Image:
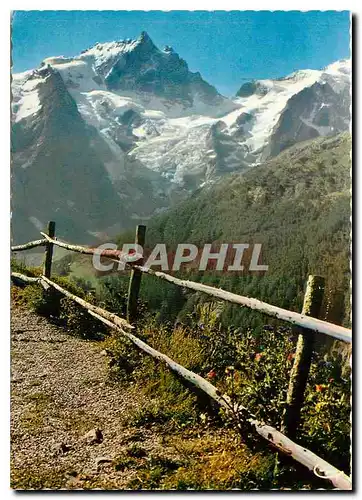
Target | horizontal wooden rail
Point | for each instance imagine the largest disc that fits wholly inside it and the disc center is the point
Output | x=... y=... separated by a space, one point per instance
x=307 y=322
x=118 y=255
x=279 y=441
x=31 y=244
x=77 y=248
x=26 y=279
x=110 y=316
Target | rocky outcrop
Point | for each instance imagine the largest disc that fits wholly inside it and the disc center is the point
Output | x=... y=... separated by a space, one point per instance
x=315 y=111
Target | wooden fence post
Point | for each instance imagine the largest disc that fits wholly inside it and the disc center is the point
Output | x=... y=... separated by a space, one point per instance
x=135 y=279
x=303 y=356
x=49 y=251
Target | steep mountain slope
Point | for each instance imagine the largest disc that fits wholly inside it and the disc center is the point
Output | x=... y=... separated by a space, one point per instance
x=110 y=137
x=56 y=171
x=72 y=131
x=63 y=169
x=276 y=114
x=296 y=205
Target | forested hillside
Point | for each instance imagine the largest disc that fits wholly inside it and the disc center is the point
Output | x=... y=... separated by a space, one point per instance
x=296 y=205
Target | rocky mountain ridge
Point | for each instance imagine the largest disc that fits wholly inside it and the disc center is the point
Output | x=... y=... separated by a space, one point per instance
x=108 y=138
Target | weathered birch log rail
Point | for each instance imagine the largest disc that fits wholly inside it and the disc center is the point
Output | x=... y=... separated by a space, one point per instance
x=307 y=324
x=25 y=279
x=120 y=322
x=28 y=246
x=118 y=255
x=279 y=441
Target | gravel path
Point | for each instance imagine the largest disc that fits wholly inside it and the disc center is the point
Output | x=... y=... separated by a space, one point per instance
x=60 y=391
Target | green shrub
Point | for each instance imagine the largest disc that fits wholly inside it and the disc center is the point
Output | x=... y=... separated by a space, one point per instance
x=260 y=381
x=79 y=322
x=113 y=294
x=48 y=302
x=43 y=302
x=327 y=409
x=124 y=357
x=18 y=266
x=54 y=305
x=61 y=267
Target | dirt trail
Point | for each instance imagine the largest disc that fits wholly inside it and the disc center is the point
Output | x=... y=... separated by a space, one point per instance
x=60 y=391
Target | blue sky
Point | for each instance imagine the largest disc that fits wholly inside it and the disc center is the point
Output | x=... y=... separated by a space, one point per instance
x=226 y=47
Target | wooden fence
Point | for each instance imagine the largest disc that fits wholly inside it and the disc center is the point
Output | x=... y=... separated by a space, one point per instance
x=307 y=322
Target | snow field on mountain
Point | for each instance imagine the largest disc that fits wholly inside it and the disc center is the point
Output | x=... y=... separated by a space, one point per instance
x=25 y=95
x=267 y=109
x=178 y=137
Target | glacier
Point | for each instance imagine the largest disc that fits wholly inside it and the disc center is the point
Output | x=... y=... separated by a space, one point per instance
x=159 y=130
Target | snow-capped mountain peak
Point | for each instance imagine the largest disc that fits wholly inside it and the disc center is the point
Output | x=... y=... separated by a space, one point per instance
x=105 y=55
x=268 y=102
x=135 y=118
x=137 y=69
x=341 y=67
